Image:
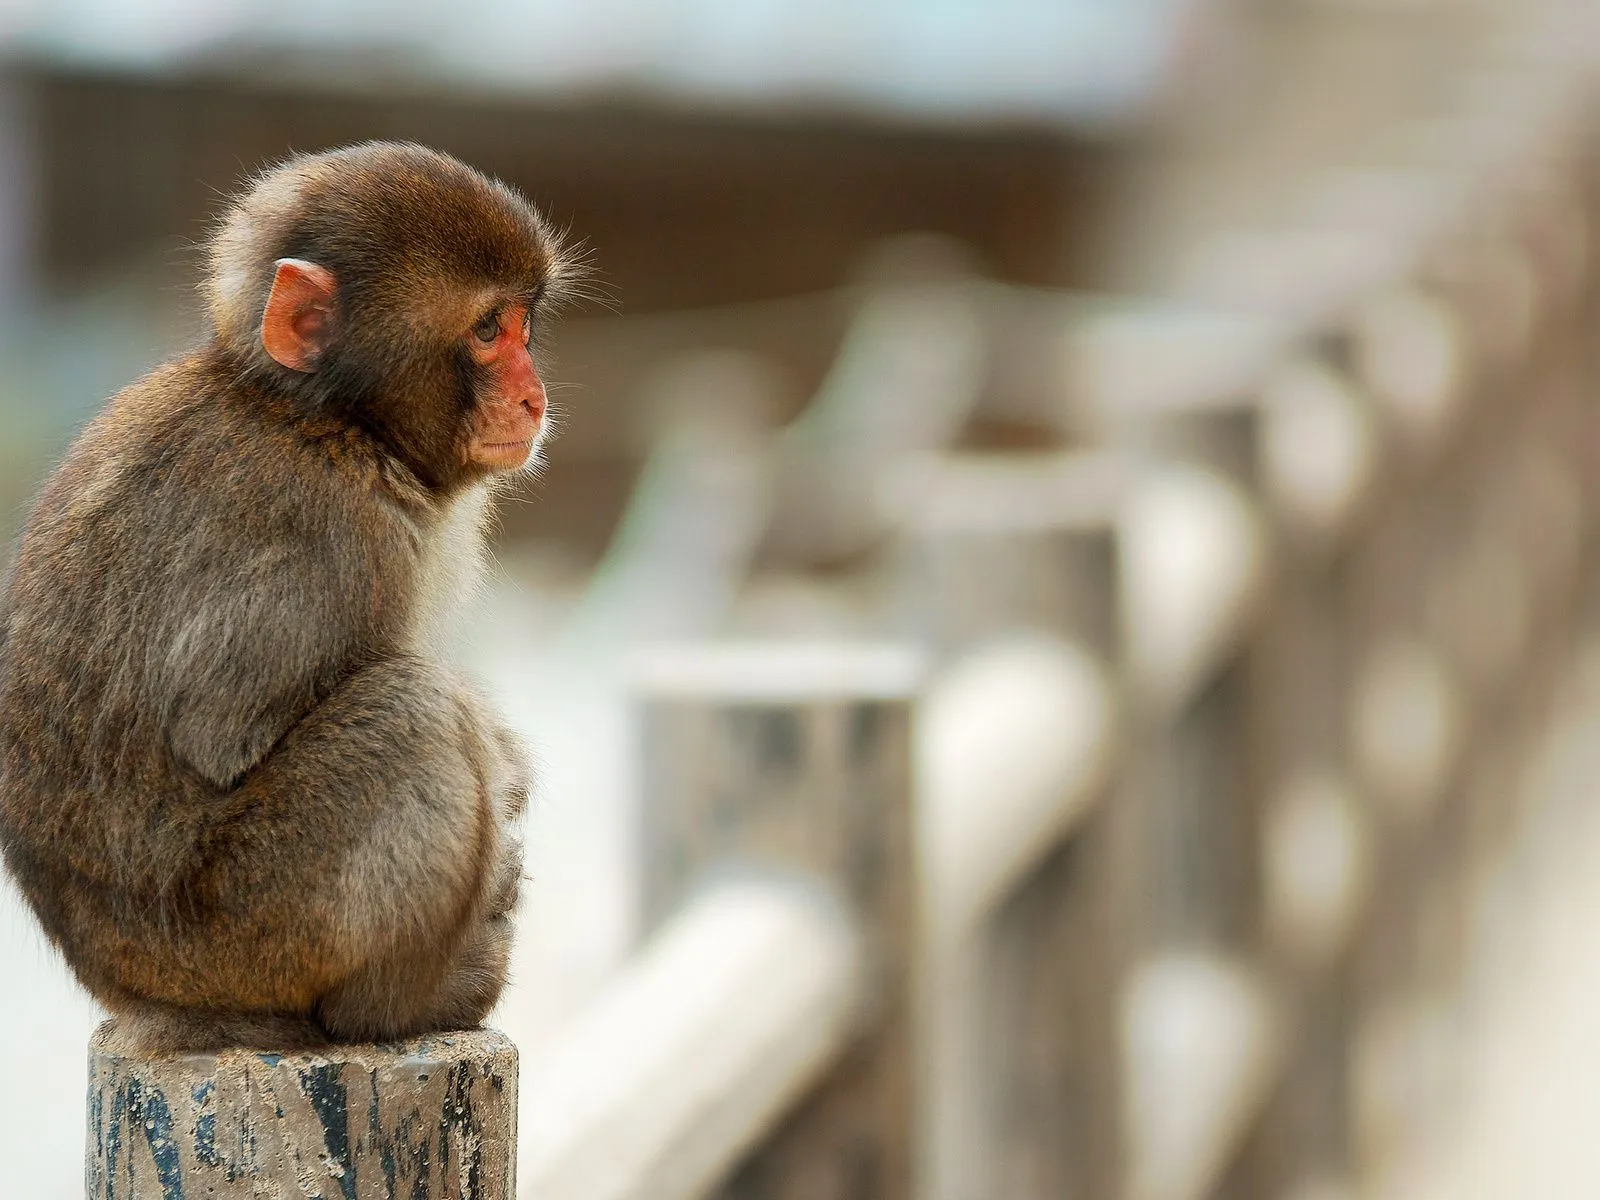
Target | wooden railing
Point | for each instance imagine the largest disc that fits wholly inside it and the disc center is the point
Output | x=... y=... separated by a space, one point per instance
x=1224 y=687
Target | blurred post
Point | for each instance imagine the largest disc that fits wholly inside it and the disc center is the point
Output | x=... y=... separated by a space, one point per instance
x=683 y=545
x=1169 y=390
x=907 y=375
x=1302 y=439
x=797 y=758
x=1017 y=582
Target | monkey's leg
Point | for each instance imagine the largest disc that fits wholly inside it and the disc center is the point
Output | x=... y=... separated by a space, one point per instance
x=143 y=1028
x=389 y=999
x=393 y=998
x=353 y=873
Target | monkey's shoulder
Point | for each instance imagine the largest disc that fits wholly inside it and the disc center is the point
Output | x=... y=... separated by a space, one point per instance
x=171 y=429
x=174 y=495
x=187 y=507
x=188 y=437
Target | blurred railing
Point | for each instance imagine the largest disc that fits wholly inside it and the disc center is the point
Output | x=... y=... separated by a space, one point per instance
x=1104 y=825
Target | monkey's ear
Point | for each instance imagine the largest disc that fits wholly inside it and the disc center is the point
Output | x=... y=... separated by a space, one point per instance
x=299 y=316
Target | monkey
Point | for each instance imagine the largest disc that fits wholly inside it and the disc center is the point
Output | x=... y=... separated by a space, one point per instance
x=242 y=788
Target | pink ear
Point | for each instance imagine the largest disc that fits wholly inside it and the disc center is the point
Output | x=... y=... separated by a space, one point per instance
x=299 y=314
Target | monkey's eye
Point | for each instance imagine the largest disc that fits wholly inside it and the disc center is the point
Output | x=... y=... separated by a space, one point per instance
x=527 y=328
x=487 y=330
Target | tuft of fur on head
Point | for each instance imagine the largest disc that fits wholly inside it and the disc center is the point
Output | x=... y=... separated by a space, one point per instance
x=241 y=255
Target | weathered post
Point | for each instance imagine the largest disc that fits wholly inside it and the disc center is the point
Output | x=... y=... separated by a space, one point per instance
x=1086 y=959
x=1249 y=825
x=796 y=758
x=1020 y=1011
x=434 y=1117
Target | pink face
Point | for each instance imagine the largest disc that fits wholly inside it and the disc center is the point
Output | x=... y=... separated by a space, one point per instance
x=510 y=417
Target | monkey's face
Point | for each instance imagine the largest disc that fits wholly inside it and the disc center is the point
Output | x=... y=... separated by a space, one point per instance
x=404 y=292
x=450 y=379
x=506 y=417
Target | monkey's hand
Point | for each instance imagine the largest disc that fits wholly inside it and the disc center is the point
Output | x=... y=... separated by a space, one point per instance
x=512 y=785
x=505 y=880
x=483 y=959
x=508 y=776
x=514 y=775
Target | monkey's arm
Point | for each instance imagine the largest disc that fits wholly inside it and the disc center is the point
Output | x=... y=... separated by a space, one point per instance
x=248 y=646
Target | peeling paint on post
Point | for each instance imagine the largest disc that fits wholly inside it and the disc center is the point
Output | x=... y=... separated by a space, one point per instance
x=430 y=1119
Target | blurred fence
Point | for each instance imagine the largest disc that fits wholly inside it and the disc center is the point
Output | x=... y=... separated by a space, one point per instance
x=1101 y=823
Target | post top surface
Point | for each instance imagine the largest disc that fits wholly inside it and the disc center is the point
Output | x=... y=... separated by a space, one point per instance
x=1076 y=491
x=467 y=1045
x=780 y=671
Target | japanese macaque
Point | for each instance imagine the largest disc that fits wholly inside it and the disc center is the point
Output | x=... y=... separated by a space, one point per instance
x=239 y=786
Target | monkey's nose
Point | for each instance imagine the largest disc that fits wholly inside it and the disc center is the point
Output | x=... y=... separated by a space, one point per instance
x=534 y=402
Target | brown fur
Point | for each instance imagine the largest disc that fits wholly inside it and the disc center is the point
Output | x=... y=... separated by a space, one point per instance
x=239 y=791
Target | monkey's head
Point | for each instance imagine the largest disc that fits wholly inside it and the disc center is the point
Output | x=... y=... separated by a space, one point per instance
x=399 y=289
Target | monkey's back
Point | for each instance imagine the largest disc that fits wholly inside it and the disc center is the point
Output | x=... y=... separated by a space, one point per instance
x=183 y=592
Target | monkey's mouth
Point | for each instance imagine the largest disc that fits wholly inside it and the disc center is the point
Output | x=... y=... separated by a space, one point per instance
x=506 y=456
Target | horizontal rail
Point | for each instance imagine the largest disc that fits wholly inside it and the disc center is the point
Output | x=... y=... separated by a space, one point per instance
x=1202 y=1041
x=726 y=1017
x=1193 y=560
x=1015 y=740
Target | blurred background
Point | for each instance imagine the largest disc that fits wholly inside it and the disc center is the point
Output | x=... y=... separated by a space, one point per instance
x=1231 y=354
